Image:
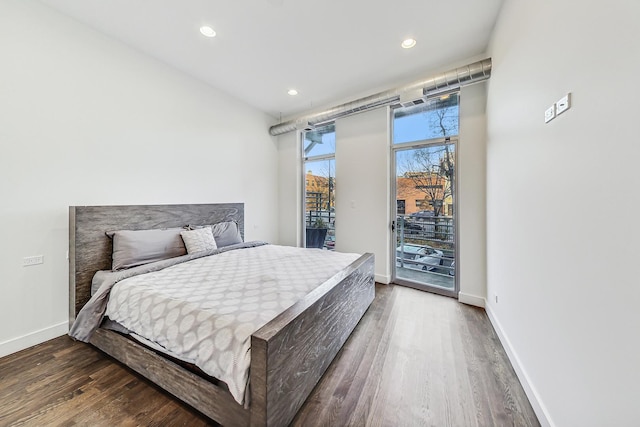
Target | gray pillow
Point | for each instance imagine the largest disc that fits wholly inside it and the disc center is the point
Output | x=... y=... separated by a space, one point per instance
x=137 y=247
x=226 y=233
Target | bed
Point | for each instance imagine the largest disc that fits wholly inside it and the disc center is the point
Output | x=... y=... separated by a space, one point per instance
x=289 y=354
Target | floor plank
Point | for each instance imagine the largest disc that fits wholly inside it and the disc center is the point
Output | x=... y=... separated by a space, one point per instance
x=419 y=359
x=415 y=359
x=67 y=383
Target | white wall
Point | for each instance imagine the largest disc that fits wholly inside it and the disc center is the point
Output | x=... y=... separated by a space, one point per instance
x=289 y=189
x=362 y=187
x=562 y=206
x=86 y=120
x=471 y=208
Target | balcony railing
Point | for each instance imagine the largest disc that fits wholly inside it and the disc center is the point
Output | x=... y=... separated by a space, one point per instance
x=434 y=228
x=426 y=243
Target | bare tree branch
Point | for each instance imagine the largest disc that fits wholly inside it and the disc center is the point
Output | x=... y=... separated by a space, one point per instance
x=432 y=169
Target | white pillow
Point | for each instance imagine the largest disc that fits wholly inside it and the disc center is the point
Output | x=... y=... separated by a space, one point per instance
x=198 y=240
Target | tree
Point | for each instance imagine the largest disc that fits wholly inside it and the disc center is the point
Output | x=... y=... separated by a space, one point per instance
x=427 y=176
x=432 y=169
x=320 y=192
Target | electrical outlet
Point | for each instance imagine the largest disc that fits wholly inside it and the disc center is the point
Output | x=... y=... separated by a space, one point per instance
x=563 y=104
x=32 y=260
x=550 y=113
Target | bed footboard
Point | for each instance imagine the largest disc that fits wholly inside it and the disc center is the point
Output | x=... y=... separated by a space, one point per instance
x=208 y=398
x=290 y=354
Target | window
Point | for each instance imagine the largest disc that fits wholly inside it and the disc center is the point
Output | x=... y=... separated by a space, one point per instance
x=320 y=142
x=320 y=183
x=401 y=206
x=436 y=118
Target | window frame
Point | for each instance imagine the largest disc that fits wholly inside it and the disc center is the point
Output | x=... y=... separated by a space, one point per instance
x=303 y=160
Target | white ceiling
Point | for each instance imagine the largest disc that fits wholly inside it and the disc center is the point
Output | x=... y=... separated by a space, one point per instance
x=330 y=50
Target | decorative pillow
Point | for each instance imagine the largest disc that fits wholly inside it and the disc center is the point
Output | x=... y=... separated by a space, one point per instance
x=198 y=240
x=226 y=233
x=137 y=247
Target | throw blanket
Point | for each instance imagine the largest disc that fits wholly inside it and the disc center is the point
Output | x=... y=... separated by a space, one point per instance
x=204 y=310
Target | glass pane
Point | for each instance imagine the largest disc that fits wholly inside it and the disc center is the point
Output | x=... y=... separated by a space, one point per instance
x=436 y=118
x=320 y=141
x=425 y=246
x=320 y=188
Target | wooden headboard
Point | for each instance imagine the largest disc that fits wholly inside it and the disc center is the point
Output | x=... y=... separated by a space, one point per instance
x=90 y=249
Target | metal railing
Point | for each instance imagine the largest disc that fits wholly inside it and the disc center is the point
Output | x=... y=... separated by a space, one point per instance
x=426 y=243
x=436 y=228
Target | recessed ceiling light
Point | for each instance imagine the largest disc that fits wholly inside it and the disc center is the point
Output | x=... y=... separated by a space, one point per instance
x=408 y=43
x=207 y=31
x=292 y=92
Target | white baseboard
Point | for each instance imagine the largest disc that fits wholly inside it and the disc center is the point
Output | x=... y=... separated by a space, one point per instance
x=529 y=389
x=471 y=299
x=380 y=278
x=20 y=343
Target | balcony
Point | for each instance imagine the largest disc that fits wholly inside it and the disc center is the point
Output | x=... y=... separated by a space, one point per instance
x=425 y=249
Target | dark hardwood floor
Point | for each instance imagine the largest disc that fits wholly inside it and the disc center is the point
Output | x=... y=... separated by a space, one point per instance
x=415 y=359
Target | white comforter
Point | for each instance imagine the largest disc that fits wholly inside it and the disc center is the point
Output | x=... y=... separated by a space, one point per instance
x=206 y=309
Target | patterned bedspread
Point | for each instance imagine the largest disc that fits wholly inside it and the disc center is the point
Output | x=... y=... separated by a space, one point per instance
x=205 y=310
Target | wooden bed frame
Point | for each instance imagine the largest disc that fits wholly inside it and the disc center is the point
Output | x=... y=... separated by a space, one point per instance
x=289 y=355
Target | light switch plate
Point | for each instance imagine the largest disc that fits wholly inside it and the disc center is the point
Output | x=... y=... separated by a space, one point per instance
x=563 y=104
x=550 y=113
